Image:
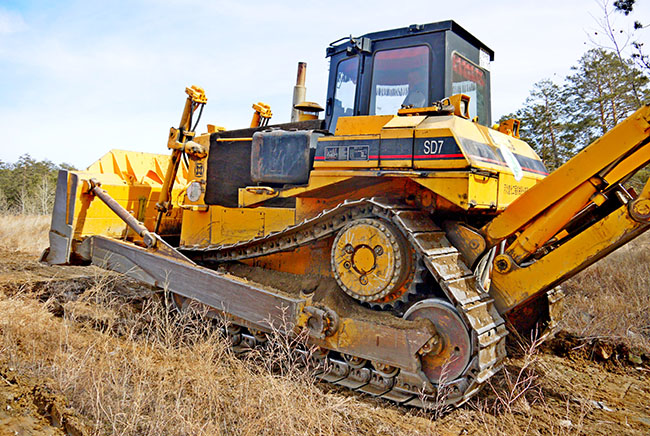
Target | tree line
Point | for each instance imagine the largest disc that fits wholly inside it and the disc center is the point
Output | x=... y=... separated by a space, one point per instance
x=27 y=186
x=559 y=119
x=607 y=83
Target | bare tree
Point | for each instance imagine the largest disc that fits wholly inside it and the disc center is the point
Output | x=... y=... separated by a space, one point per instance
x=618 y=40
x=45 y=195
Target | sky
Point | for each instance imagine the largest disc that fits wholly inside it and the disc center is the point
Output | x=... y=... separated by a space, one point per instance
x=78 y=78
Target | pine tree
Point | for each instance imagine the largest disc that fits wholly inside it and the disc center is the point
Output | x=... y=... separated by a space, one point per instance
x=27 y=186
x=543 y=123
x=602 y=92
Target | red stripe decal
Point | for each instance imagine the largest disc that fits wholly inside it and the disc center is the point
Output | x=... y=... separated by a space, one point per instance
x=438 y=156
x=441 y=156
x=503 y=164
x=534 y=171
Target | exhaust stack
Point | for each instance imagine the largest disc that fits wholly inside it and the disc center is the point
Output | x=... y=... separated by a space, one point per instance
x=299 y=91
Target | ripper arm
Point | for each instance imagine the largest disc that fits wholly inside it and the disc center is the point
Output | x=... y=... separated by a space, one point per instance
x=574 y=217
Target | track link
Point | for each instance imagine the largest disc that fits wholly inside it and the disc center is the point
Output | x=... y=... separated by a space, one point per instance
x=443 y=261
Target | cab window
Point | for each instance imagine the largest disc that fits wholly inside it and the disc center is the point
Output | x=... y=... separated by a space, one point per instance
x=469 y=79
x=346 y=87
x=400 y=78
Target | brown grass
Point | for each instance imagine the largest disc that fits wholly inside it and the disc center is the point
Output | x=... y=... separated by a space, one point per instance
x=611 y=299
x=131 y=367
x=151 y=372
x=24 y=233
x=127 y=366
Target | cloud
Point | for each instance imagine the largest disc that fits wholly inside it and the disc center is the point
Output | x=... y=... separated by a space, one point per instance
x=11 y=22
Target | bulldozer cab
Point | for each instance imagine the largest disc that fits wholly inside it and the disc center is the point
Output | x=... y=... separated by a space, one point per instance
x=381 y=72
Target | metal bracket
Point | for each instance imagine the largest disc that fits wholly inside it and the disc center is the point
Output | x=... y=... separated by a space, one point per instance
x=322 y=323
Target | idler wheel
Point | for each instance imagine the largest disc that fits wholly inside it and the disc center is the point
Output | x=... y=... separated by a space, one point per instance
x=451 y=357
x=354 y=361
x=385 y=370
x=371 y=261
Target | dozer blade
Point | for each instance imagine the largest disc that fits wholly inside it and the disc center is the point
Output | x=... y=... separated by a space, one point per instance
x=264 y=310
x=61 y=230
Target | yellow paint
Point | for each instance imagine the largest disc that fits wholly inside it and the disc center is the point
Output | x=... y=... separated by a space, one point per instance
x=405 y=122
x=515 y=287
x=536 y=209
x=197 y=227
x=545 y=210
x=396 y=163
x=609 y=148
x=346 y=138
x=364 y=259
x=313 y=259
x=510 y=189
x=551 y=221
x=403 y=134
x=261 y=115
x=453 y=188
x=222 y=225
x=434 y=132
x=324 y=164
x=361 y=125
x=460 y=102
x=134 y=180
x=482 y=191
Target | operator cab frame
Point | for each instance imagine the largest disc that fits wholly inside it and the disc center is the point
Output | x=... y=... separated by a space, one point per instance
x=377 y=73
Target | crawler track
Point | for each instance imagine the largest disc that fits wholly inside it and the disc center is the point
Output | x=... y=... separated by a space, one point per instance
x=443 y=261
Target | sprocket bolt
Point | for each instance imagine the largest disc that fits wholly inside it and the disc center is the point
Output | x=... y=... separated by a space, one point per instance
x=379 y=250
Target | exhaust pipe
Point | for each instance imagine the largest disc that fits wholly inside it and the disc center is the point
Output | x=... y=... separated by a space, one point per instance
x=299 y=91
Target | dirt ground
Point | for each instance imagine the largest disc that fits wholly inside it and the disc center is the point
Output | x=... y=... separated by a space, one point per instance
x=570 y=385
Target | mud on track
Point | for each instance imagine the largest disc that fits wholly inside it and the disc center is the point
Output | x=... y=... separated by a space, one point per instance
x=570 y=385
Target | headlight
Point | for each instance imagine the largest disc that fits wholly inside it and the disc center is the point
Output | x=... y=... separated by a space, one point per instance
x=194 y=191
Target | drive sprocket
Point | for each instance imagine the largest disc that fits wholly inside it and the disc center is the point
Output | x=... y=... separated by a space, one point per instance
x=372 y=262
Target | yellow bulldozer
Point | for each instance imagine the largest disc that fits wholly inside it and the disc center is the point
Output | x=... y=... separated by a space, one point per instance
x=399 y=231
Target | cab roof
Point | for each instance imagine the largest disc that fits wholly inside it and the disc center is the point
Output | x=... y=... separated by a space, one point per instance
x=364 y=42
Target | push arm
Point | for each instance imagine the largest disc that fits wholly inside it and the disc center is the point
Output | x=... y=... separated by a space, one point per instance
x=180 y=141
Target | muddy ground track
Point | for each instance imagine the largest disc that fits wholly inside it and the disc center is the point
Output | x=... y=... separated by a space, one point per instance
x=31 y=407
x=617 y=369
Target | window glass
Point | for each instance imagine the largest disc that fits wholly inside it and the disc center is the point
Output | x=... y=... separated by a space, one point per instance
x=400 y=77
x=469 y=79
x=346 y=87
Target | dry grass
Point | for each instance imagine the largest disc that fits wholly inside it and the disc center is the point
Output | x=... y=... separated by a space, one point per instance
x=24 y=233
x=129 y=367
x=149 y=372
x=611 y=299
x=519 y=403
